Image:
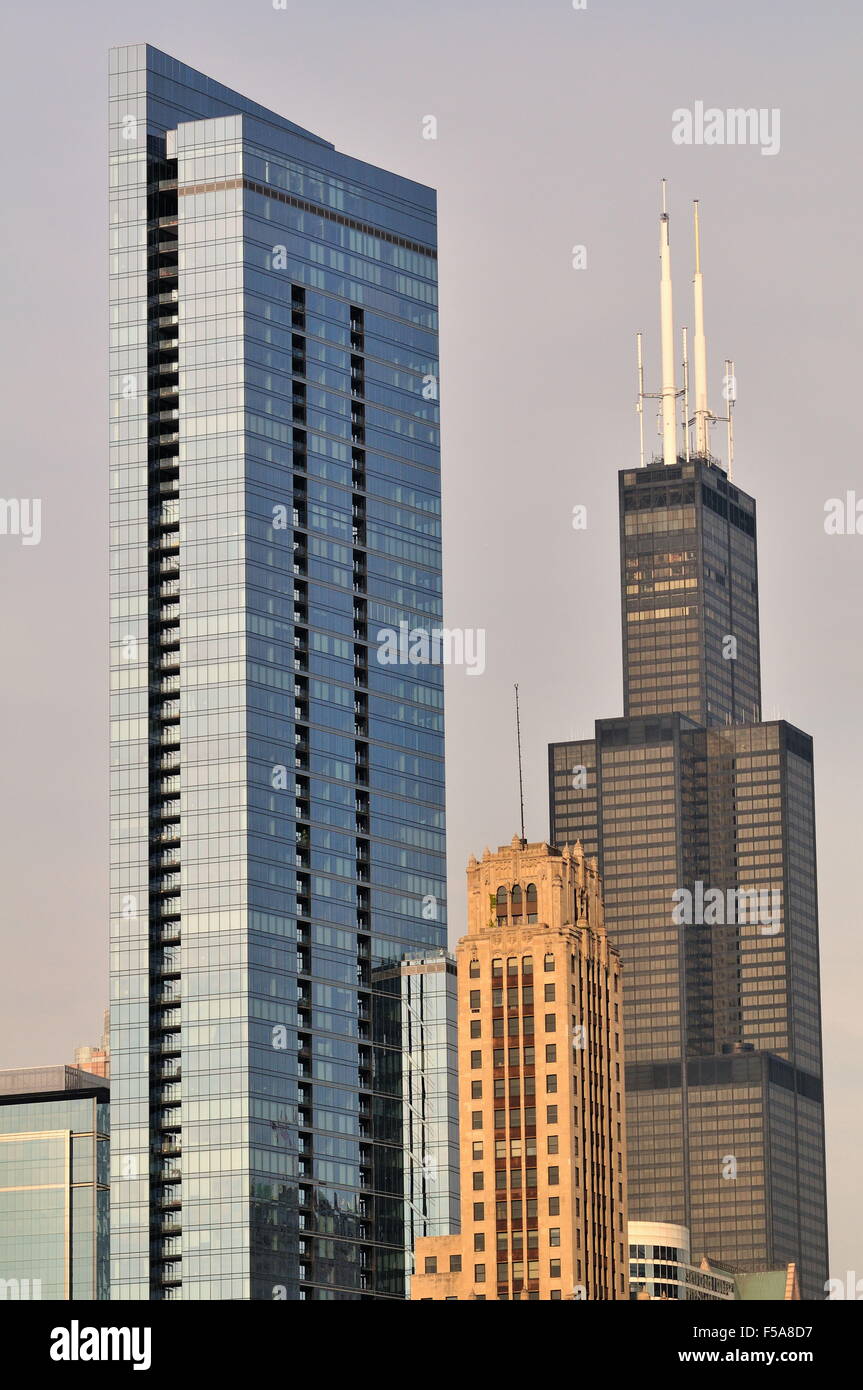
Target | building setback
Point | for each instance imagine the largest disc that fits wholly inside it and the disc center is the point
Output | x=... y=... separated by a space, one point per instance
x=542 y=1118
x=703 y=820
x=277 y=793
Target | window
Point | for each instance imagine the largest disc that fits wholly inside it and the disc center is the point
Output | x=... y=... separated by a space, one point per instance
x=475 y=1028
x=551 y=1023
x=473 y=970
x=516 y=1209
x=554 y=1269
x=497 y=1027
x=497 y=967
x=479 y=1274
x=476 y=1119
x=533 y=1269
x=478 y=1241
x=554 y=1235
x=516 y=901
x=551 y=1083
x=553 y=1177
x=552 y=1144
x=531 y=902
x=551 y=1052
x=554 y=1206
x=511 y=965
x=548 y=994
x=474 y=998
x=548 y=962
x=497 y=998
x=431 y=1264
x=476 y=1090
x=501 y=1240
x=527 y=965
x=455 y=1264
x=499 y=1119
x=478 y=1181
x=529 y=1056
x=514 y=1086
x=477 y=1149
x=555 y=1293
x=497 y=1057
x=550 y=1116
x=479 y=1211
x=476 y=1060
x=511 y=1025
x=500 y=905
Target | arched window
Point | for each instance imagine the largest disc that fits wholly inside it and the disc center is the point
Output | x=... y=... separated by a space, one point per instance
x=501 y=908
x=516 y=901
x=531 y=902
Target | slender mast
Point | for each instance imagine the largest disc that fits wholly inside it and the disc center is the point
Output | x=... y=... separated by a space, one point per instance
x=702 y=412
x=520 y=782
x=669 y=393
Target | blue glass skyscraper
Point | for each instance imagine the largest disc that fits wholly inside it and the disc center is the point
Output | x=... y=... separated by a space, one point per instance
x=277 y=794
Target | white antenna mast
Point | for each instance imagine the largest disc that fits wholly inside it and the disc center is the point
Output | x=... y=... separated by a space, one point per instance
x=668 y=393
x=702 y=412
x=731 y=393
x=640 y=404
x=685 y=396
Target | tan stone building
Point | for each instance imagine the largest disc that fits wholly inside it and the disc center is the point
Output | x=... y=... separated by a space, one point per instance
x=541 y=1102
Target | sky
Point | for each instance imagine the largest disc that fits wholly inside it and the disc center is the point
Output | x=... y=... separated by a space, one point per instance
x=554 y=128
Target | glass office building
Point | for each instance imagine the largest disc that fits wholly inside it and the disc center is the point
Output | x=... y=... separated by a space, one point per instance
x=689 y=794
x=416 y=1024
x=277 y=792
x=689 y=593
x=53 y=1184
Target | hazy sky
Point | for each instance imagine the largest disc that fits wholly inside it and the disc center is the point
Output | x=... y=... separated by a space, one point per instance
x=554 y=128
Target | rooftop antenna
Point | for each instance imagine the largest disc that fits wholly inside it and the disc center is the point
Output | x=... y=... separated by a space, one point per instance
x=685 y=396
x=640 y=402
x=702 y=412
x=520 y=781
x=666 y=324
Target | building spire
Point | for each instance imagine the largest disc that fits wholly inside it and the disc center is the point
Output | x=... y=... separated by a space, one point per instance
x=702 y=412
x=666 y=323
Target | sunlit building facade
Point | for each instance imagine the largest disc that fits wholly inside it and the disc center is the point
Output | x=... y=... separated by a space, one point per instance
x=277 y=792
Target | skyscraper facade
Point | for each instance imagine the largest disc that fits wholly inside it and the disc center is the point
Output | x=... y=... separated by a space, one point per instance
x=277 y=793
x=416 y=1085
x=703 y=820
x=541 y=1076
x=54 y=1171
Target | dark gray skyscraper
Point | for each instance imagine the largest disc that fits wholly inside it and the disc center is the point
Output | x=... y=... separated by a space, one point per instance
x=703 y=820
x=277 y=792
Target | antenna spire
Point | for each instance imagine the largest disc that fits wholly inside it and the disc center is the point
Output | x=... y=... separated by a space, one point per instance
x=520 y=781
x=702 y=412
x=668 y=393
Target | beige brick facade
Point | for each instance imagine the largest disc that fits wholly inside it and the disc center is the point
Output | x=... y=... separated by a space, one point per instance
x=541 y=1103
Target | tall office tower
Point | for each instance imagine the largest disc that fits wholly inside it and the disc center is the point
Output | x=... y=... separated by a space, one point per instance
x=53 y=1184
x=278 y=798
x=703 y=821
x=689 y=590
x=415 y=1024
x=543 y=1141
